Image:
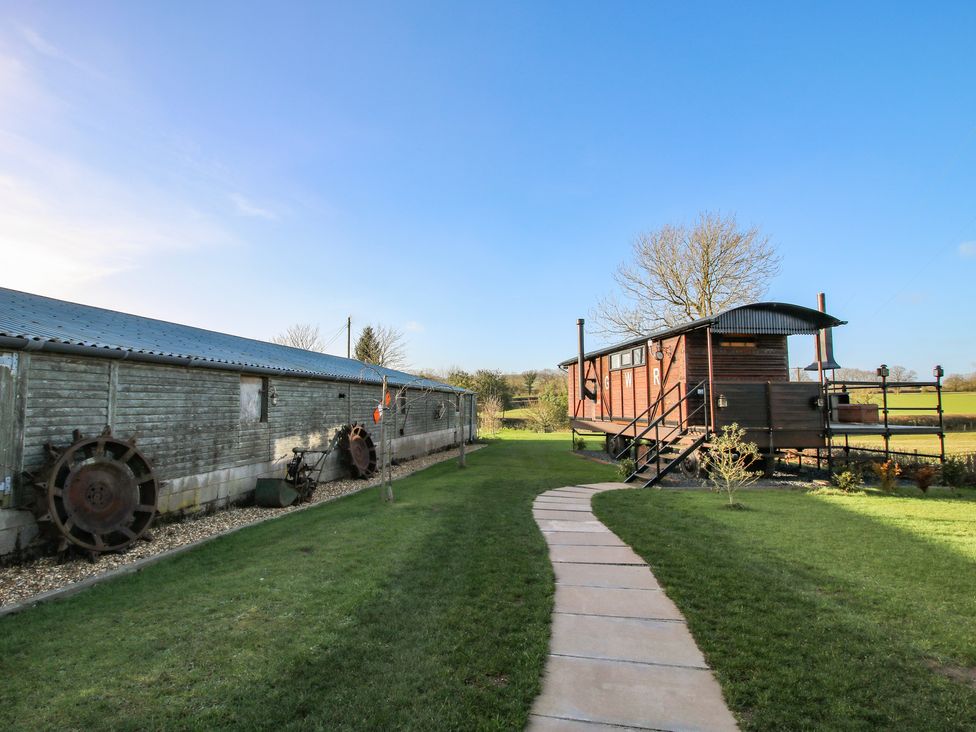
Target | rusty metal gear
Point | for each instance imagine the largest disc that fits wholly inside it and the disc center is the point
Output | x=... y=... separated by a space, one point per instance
x=358 y=451
x=99 y=493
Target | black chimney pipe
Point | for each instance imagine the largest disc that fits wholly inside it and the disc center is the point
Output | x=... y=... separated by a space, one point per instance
x=581 y=391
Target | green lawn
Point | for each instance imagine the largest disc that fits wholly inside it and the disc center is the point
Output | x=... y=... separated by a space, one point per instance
x=953 y=402
x=431 y=613
x=823 y=612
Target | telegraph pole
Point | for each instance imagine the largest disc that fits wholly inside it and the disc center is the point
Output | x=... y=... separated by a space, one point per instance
x=349 y=337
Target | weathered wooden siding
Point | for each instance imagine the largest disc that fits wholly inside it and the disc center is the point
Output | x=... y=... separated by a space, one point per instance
x=63 y=394
x=768 y=361
x=188 y=421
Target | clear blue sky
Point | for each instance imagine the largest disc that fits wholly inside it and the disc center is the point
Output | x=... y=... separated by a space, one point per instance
x=473 y=173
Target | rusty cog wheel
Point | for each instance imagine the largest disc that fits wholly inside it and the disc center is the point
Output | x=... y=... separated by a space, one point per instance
x=98 y=494
x=358 y=451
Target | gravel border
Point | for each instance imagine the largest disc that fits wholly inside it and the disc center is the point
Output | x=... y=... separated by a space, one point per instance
x=24 y=585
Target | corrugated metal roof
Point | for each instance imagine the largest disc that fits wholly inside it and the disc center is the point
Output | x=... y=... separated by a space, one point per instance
x=760 y=318
x=47 y=320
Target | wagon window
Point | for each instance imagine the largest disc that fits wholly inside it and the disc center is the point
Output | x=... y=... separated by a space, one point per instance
x=638 y=356
x=738 y=343
x=253 y=400
x=627 y=358
x=615 y=361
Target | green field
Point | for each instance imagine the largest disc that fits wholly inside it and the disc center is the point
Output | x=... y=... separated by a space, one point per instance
x=955 y=443
x=953 y=402
x=820 y=612
x=430 y=613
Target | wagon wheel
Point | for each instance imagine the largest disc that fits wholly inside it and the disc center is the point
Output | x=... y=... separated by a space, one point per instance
x=99 y=493
x=359 y=451
x=691 y=466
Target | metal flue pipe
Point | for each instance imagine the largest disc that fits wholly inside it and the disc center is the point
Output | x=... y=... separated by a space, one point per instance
x=581 y=382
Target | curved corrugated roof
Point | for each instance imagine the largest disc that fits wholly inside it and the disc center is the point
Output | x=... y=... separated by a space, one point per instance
x=759 y=318
x=47 y=320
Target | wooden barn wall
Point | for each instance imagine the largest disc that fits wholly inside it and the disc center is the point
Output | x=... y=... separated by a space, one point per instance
x=768 y=361
x=187 y=421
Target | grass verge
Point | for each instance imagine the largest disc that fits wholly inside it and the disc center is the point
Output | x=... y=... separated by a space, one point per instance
x=430 y=613
x=820 y=611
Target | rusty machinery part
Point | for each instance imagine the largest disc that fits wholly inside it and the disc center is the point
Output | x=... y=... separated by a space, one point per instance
x=358 y=451
x=99 y=493
x=299 y=474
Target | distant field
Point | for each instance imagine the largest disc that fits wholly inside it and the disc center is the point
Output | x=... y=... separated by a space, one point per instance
x=522 y=413
x=953 y=402
x=956 y=442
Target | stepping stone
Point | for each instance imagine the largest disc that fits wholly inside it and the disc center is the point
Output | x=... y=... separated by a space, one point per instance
x=616 y=602
x=604 y=575
x=538 y=723
x=633 y=694
x=582 y=526
x=569 y=538
x=558 y=504
x=543 y=513
x=596 y=555
x=624 y=639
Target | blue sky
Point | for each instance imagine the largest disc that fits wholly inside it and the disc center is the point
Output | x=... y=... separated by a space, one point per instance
x=473 y=173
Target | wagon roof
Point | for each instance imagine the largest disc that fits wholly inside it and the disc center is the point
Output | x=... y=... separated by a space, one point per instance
x=33 y=322
x=759 y=318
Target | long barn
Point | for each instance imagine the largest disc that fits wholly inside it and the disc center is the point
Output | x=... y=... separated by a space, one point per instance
x=211 y=413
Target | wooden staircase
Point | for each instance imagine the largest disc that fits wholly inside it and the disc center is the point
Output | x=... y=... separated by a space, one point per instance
x=667 y=440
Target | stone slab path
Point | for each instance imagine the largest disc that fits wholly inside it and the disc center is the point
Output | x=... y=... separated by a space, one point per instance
x=621 y=656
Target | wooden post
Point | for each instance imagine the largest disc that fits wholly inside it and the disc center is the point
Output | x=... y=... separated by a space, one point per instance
x=711 y=382
x=460 y=411
x=387 y=441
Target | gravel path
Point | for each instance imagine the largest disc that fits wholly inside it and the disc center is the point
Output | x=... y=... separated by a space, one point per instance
x=21 y=581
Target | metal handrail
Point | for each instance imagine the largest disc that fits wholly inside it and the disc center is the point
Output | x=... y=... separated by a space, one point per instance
x=654 y=455
x=649 y=409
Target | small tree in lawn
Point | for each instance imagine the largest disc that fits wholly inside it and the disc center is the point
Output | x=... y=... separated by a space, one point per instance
x=728 y=461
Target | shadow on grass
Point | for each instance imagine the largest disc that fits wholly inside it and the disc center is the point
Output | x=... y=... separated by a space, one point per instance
x=429 y=613
x=813 y=616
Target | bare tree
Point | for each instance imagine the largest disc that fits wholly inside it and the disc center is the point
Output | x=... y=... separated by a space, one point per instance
x=382 y=345
x=300 y=335
x=678 y=274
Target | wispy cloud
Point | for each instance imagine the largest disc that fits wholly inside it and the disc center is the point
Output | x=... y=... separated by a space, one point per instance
x=967 y=249
x=412 y=326
x=246 y=207
x=44 y=47
x=65 y=222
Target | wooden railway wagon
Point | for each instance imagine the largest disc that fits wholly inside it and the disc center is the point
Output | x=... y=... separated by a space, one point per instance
x=660 y=396
x=210 y=413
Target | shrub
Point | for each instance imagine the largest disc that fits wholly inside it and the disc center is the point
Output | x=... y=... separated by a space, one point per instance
x=959 y=470
x=626 y=467
x=887 y=473
x=579 y=443
x=924 y=476
x=847 y=480
x=728 y=461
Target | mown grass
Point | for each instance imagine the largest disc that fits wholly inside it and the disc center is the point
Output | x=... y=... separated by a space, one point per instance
x=956 y=443
x=430 y=613
x=953 y=402
x=820 y=611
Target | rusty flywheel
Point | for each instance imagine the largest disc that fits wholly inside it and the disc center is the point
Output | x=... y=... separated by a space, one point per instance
x=99 y=493
x=358 y=451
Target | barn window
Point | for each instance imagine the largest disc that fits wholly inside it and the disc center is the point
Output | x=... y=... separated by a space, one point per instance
x=254 y=399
